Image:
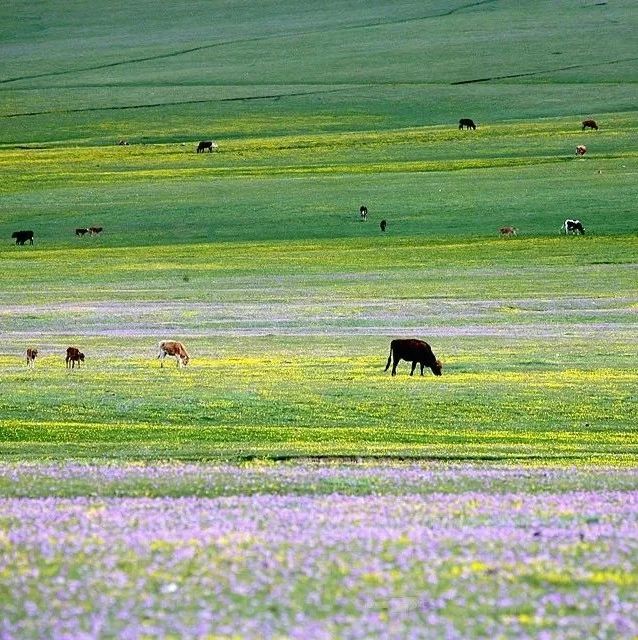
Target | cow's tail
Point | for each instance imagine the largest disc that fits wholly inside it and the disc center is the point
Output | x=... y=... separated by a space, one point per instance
x=387 y=364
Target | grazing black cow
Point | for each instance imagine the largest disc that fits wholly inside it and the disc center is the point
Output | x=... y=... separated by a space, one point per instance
x=590 y=124
x=574 y=227
x=95 y=230
x=413 y=350
x=467 y=123
x=206 y=145
x=383 y=224
x=363 y=213
x=22 y=236
x=81 y=231
x=73 y=355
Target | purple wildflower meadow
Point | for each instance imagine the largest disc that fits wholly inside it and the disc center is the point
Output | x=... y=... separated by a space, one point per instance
x=394 y=562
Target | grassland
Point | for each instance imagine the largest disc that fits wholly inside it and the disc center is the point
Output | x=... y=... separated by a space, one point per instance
x=283 y=484
x=289 y=346
x=255 y=256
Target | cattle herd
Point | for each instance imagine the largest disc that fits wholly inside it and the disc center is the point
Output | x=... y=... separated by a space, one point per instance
x=24 y=236
x=411 y=350
x=92 y=231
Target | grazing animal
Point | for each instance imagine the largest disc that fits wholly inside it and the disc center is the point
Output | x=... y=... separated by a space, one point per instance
x=22 y=236
x=123 y=143
x=81 y=231
x=95 y=230
x=73 y=355
x=206 y=145
x=467 y=123
x=31 y=356
x=581 y=150
x=383 y=224
x=507 y=232
x=590 y=124
x=363 y=213
x=574 y=227
x=175 y=349
x=413 y=350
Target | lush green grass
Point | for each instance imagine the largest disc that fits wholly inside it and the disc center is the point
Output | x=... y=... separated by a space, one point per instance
x=230 y=71
x=289 y=343
x=255 y=255
x=432 y=182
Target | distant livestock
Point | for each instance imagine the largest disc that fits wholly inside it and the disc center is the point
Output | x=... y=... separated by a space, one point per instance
x=174 y=349
x=507 y=232
x=123 y=143
x=416 y=351
x=22 y=236
x=581 y=150
x=31 y=356
x=573 y=227
x=95 y=230
x=590 y=124
x=81 y=231
x=73 y=355
x=383 y=224
x=466 y=123
x=363 y=213
x=206 y=145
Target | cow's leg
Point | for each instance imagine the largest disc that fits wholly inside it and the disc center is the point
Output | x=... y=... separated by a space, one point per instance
x=161 y=355
x=394 y=366
x=413 y=367
x=422 y=365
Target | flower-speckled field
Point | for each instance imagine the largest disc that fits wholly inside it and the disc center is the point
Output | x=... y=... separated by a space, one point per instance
x=283 y=485
x=399 y=552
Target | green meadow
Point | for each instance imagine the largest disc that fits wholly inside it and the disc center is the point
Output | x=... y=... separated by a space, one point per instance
x=254 y=256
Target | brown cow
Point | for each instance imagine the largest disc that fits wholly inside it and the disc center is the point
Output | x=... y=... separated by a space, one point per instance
x=581 y=150
x=507 y=232
x=590 y=124
x=175 y=349
x=415 y=350
x=73 y=355
x=95 y=230
x=31 y=356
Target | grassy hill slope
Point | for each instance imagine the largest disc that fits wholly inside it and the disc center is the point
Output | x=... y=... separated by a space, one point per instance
x=81 y=71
